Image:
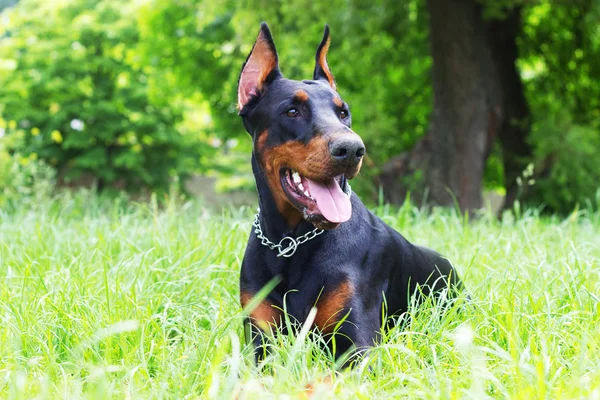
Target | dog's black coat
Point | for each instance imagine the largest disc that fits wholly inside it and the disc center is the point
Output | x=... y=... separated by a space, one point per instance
x=349 y=272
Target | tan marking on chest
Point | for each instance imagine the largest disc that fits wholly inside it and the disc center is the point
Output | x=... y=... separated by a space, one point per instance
x=332 y=306
x=265 y=315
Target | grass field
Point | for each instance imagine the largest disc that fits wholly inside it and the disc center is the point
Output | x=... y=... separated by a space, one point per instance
x=102 y=299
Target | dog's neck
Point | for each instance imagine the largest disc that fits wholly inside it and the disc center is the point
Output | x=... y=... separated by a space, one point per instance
x=273 y=224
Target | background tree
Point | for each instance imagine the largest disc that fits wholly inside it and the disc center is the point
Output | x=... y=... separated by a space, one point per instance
x=478 y=98
x=481 y=105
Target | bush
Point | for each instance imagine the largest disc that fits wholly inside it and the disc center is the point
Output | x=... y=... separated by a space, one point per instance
x=567 y=167
x=74 y=93
x=23 y=179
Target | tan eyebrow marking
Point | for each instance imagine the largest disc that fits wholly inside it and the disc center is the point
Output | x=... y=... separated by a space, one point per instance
x=301 y=95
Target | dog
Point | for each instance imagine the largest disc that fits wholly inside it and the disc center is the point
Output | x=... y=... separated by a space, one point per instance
x=312 y=234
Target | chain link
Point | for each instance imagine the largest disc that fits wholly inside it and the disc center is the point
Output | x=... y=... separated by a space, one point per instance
x=293 y=243
x=290 y=249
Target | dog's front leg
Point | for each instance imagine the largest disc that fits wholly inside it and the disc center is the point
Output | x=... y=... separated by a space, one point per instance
x=261 y=324
x=259 y=338
x=353 y=335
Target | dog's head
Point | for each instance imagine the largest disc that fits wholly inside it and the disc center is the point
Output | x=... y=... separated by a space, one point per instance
x=302 y=138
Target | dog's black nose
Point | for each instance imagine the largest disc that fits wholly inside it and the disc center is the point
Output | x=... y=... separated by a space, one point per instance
x=348 y=150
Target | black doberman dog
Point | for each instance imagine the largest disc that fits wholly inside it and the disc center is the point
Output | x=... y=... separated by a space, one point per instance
x=325 y=247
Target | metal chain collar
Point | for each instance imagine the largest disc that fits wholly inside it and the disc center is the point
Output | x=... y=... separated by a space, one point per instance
x=288 y=250
x=291 y=248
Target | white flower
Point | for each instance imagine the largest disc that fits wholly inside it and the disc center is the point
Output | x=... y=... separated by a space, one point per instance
x=215 y=142
x=76 y=46
x=77 y=125
x=228 y=48
x=2 y=132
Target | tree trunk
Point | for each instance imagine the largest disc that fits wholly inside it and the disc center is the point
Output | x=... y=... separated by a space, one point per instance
x=516 y=124
x=466 y=107
x=475 y=87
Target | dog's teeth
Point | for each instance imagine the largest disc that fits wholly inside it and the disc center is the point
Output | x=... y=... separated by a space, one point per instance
x=300 y=187
x=296 y=177
x=306 y=193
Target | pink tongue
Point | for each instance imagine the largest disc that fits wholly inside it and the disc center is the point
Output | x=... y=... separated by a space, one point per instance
x=333 y=204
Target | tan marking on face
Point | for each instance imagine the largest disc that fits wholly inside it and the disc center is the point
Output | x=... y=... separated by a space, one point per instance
x=309 y=160
x=338 y=102
x=331 y=306
x=301 y=96
x=265 y=315
x=260 y=144
x=312 y=161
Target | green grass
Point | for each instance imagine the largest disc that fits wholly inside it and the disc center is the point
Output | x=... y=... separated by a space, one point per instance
x=103 y=300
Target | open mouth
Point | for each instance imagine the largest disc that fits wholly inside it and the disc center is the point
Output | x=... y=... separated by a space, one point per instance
x=318 y=200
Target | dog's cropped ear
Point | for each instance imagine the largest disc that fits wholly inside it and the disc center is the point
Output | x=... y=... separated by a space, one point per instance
x=260 y=68
x=322 y=70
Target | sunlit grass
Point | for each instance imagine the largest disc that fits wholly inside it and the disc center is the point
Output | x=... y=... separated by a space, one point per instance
x=104 y=299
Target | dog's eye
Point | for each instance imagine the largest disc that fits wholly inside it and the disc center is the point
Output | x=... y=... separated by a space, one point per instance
x=343 y=114
x=292 y=112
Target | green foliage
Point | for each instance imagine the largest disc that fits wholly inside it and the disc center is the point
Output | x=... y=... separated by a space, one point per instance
x=560 y=64
x=24 y=180
x=70 y=77
x=193 y=43
x=568 y=166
